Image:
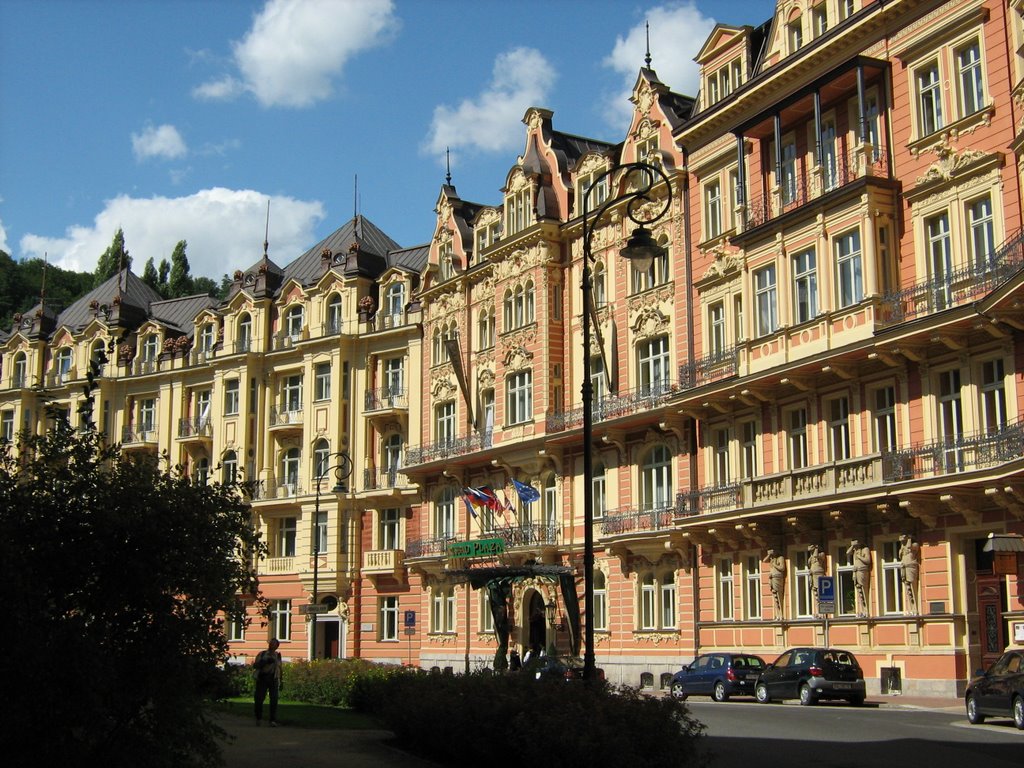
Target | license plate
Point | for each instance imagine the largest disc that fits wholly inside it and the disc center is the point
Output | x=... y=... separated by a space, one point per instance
x=843 y=686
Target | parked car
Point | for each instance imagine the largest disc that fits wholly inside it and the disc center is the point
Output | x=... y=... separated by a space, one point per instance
x=718 y=675
x=812 y=674
x=999 y=692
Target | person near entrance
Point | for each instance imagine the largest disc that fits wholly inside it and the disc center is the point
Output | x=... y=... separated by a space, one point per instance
x=267 y=671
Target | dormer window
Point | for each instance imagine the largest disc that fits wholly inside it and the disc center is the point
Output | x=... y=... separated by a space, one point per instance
x=487 y=235
x=244 y=334
x=207 y=338
x=647 y=148
x=444 y=259
x=795 y=35
x=20 y=370
x=394 y=301
x=819 y=20
x=334 y=314
x=519 y=209
x=294 y=320
x=597 y=195
x=150 y=348
x=62 y=365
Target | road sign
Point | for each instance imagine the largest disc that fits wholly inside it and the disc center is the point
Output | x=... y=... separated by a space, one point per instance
x=410 y=618
x=826 y=607
x=410 y=630
x=826 y=589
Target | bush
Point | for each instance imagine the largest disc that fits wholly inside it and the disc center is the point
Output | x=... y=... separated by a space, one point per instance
x=330 y=682
x=521 y=721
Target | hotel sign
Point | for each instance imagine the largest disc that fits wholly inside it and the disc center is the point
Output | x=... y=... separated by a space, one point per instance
x=476 y=548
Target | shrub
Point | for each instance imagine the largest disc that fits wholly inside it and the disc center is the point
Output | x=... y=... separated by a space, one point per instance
x=521 y=720
x=330 y=681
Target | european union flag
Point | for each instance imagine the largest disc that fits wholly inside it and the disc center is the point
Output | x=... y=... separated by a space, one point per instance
x=527 y=493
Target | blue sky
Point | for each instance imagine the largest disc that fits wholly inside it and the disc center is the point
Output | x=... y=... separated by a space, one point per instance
x=180 y=119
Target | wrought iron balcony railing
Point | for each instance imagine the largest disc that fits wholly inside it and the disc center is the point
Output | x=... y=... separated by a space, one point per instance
x=283 y=416
x=195 y=428
x=702 y=501
x=444 y=449
x=950 y=456
x=428 y=547
x=712 y=367
x=526 y=534
x=386 y=398
x=624 y=403
x=385 y=321
x=143 y=433
x=618 y=521
x=376 y=479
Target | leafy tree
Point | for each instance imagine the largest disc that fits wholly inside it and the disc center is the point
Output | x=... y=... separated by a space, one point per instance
x=161 y=278
x=149 y=275
x=115 y=567
x=205 y=285
x=180 y=282
x=112 y=260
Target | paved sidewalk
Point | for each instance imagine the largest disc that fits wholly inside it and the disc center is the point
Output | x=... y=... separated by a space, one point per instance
x=918 y=702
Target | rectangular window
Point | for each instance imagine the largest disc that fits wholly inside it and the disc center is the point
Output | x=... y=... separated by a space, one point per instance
x=819 y=20
x=749 y=430
x=231 y=397
x=668 y=603
x=716 y=332
x=444 y=422
x=281 y=619
x=520 y=397
x=147 y=415
x=983 y=246
x=388 y=618
x=795 y=35
x=805 y=286
x=286 y=528
x=803 y=597
x=721 y=438
x=291 y=393
x=725 y=589
x=486 y=617
x=387 y=535
x=444 y=516
x=846 y=590
x=712 y=209
x=766 y=297
x=839 y=428
x=600 y=601
x=600 y=491
x=798 y=438
x=7 y=427
x=892 y=578
x=845 y=9
x=235 y=629
x=322 y=381
x=940 y=260
x=971 y=81
x=951 y=420
x=752 y=586
x=320 y=533
x=850 y=280
x=647 y=603
x=885 y=419
x=929 y=99
x=993 y=396
x=788 y=180
x=653 y=362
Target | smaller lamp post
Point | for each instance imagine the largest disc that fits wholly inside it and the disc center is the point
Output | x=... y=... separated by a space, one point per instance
x=342 y=469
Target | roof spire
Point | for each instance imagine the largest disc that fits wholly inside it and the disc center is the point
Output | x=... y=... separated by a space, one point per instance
x=266 y=233
x=647 y=58
x=448 y=165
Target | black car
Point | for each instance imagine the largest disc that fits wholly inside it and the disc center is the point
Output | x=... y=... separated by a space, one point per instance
x=718 y=675
x=998 y=692
x=812 y=674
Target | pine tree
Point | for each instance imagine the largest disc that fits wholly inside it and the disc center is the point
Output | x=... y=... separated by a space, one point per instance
x=180 y=281
x=112 y=260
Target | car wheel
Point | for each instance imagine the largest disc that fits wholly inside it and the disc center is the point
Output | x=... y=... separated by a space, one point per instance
x=1018 y=712
x=677 y=691
x=807 y=697
x=719 y=693
x=857 y=701
x=974 y=717
x=761 y=693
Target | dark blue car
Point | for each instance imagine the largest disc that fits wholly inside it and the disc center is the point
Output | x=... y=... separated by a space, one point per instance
x=718 y=675
x=1000 y=691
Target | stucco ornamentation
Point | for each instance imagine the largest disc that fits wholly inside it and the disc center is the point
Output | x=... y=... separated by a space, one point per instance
x=724 y=263
x=518 y=359
x=442 y=387
x=950 y=162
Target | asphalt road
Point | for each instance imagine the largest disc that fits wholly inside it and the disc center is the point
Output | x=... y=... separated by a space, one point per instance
x=750 y=735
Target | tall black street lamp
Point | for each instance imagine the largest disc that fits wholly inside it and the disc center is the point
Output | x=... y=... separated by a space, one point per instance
x=342 y=468
x=635 y=180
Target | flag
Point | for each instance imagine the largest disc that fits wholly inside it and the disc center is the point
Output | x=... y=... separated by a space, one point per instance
x=474 y=496
x=469 y=507
x=527 y=493
x=492 y=498
x=508 y=504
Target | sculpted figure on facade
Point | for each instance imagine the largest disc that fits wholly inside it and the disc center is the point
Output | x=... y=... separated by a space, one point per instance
x=777 y=578
x=860 y=556
x=816 y=567
x=910 y=568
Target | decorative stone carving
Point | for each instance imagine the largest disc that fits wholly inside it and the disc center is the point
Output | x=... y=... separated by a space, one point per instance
x=816 y=567
x=442 y=387
x=650 y=322
x=950 y=162
x=518 y=359
x=486 y=378
x=861 y=556
x=777 y=579
x=910 y=567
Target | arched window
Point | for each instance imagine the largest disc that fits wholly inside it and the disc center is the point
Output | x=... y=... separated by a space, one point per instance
x=321 y=460
x=229 y=468
x=507 y=315
x=290 y=461
x=333 y=314
x=528 y=304
x=97 y=352
x=656 y=479
x=485 y=329
x=243 y=331
x=294 y=320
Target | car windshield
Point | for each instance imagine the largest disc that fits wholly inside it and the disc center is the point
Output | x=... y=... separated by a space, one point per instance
x=839 y=658
x=749 y=662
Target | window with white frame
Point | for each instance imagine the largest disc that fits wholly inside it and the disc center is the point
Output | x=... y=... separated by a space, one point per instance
x=320 y=533
x=151 y=348
x=656 y=479
x=229 y=467
x=391 y=457
x=598 y=194
x=394 y=302
x=235 y=627
x=444 y=422
x=333 y=314
x=657 y=600
x=752 y=587
x=982 y=238
x=444 y=514
x=846 y=589
x=549 y=501
x=885 y=418
x=929 y=98
x=519 y=401
x=805 y=286
x=243 y=334
x=668 y=600
x=290 y=462
x=748 y=429
x=993 y=396
x=519 y=210
x=716 y=328
x=725 y=589
x=940 y=259
x=286 y=531
x=803 y=597
x=712 y=209
x=7 y=426
x=767 y=300
x=19 y=371
x=788 y=182
x=951 y=419
x=519 y=306
x=599 y=279
x=321 y=459
x=444 y=260
x=394 y=377
x=653 y=364
x=281 y=619
x=322 y=381
x=147 y=414
x=207 y=337
x=849 y=275
x=648 y=602
x=892 y=578
x=487 y=410
x=871 y=117
x=600 y=499
x=795 y=35
x=388 y=607
x=231 y=402
x=294 y=320
x=62 y=365
x=846 y=9
x=714 y=94
x=829 y=155
x=485 y=328
x=600 y=600
x=819 y=19
x=839 y=428
x=291 y=393
x=797 y=424
x=970 y=78
x=721 y=439
x=388 y=529
x=655 y=274
x=442 y=611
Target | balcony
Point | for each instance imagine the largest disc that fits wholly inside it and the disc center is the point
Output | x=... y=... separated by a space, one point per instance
x=243 y=345
x=617 y=405
x=202 y=356
x=142 y=435
x=282 y=490
x=280 y=565
x=286 y=417
x=526 y=534
x=385 y=398
x=840 y=477
x=60 y=378
x=377 y=479
x=18 y=381
x=959 y=287
x=709 y=369
x=966 y=453
x=450 y=448
x=194 y=429
x=436 y=547
x=289 y=340
x=384 y=322
x=619 y=521
x=715 y=498
x=383 y=561
x=143 y=367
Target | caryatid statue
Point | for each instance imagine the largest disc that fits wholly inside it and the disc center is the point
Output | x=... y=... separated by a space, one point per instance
x=860 y=556
x=910 y=568
x=816 y=567
x=777 y=578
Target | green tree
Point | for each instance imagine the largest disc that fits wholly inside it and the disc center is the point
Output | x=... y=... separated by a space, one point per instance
x=162 y=272
x=117 y=568
x=180 y=281
x=112 y=260
x=205 y=285
x=149 y=275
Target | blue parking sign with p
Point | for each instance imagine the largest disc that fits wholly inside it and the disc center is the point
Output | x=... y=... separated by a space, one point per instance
x=826 y=589
x=410 y=618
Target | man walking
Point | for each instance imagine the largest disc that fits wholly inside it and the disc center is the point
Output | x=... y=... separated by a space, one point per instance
x=267 y=669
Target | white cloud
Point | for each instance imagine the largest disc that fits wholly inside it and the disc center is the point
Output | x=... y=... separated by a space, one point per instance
x=224 y=229
x=296 y=49
x=678 y=30
x=522 y=78
x=162 y=141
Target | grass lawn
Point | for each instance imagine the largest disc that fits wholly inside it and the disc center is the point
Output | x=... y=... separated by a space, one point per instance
x=299 y=714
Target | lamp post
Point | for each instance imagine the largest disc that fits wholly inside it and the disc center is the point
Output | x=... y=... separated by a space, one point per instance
x=641 y=249
x=342 y=468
